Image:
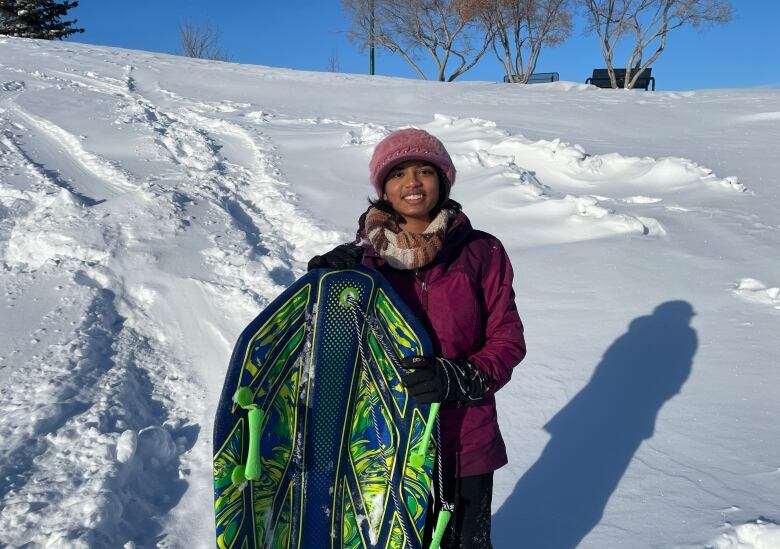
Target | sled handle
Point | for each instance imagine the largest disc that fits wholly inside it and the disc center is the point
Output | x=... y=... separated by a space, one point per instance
x=418 y=458
x=244 y=397
x=441 y=526
x=252 y=471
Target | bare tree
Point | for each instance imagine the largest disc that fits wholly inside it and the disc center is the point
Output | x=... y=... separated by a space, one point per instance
x=522 y=28
x=448 y=30
x=333 y=62
x=201 y=40
x=647 y=23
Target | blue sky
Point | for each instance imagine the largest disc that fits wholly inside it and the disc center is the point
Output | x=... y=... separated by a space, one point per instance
x=308 y=34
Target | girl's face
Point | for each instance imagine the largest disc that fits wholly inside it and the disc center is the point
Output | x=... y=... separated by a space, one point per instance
x=412 y=188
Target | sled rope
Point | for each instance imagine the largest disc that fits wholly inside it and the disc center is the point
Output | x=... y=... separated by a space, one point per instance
x=365 y=379
x=418 y=458
x=373 y=325
x=446 y=508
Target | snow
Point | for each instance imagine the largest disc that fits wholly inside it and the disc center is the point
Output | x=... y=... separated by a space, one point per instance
x=376 y=506
x=754 y=535
x=151 y=205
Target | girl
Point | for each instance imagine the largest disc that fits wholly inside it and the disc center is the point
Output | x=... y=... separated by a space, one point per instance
x=458 y=282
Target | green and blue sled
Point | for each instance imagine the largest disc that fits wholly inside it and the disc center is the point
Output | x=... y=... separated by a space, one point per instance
x=317 y=444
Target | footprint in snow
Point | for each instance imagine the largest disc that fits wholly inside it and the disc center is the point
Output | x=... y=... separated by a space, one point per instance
x=12 y=85
x=365 y=134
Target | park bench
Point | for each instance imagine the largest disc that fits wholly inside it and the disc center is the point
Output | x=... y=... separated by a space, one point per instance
x=600 y=79
x=540 y=77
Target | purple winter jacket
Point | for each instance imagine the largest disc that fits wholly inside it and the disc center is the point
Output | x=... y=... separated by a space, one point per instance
x=465 y=301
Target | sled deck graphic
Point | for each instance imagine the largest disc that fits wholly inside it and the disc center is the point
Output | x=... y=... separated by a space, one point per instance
x=314 y=429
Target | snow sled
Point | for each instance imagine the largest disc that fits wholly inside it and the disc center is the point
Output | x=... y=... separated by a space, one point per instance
x=316 y=441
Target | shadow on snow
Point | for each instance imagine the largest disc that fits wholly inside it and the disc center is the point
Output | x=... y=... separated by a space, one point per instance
x=562 y=496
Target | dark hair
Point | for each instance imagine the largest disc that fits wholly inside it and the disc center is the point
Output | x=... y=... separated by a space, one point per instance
x=444 y=202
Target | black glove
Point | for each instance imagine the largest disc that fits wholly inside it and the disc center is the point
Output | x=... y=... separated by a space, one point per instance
x=340 y=257
x=433 y=379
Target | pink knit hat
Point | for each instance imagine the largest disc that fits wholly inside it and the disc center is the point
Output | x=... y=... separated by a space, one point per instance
x=409 y=144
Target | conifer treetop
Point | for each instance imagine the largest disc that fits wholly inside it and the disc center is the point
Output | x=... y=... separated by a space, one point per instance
x=41 y=19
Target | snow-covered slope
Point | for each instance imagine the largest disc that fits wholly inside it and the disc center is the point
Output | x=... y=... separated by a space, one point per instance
x=151 y=205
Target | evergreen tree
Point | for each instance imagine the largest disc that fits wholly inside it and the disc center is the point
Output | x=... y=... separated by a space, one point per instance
x=37 y=18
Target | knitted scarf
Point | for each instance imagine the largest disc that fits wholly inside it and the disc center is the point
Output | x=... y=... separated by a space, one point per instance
x=402 y=249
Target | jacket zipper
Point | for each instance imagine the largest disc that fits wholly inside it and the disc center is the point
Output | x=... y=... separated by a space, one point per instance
x=424 y=286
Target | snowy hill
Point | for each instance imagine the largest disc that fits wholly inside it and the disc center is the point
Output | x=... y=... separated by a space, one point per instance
x=151 y=205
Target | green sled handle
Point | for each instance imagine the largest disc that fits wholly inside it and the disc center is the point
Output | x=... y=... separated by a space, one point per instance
x=441 y=526
x=244 y=398
x=418 y=457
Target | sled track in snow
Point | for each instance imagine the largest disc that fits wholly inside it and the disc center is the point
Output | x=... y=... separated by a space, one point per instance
x=113 y=177
x=66 y=409
x=66 y=406
x=109 y=428
x=79 y=404
x=17 y=159
x=250 y=196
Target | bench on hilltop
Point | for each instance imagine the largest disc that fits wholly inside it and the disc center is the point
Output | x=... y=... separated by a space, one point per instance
x=600 y=79
x=539 y=77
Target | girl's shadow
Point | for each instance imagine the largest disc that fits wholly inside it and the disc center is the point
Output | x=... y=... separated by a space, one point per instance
x=594 y=437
